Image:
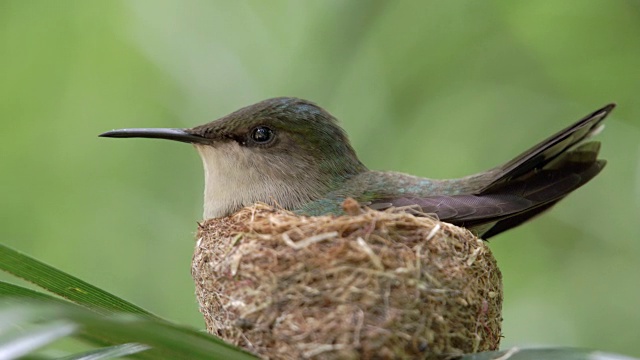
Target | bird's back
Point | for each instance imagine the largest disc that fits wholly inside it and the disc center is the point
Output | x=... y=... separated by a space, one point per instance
x=493 y=201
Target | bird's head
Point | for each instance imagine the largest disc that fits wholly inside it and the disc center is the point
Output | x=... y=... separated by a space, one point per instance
x=281 y=151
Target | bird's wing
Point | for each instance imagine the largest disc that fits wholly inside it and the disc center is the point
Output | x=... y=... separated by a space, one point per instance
x=514 y=202
x=458 y=209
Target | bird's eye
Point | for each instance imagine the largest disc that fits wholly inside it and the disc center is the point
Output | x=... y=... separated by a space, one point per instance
x=262 y=135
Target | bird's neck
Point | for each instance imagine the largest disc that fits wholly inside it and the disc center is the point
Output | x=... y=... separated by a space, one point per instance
x=236 y=177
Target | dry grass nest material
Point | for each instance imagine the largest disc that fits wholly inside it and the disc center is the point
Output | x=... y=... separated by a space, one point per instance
x=367 y=285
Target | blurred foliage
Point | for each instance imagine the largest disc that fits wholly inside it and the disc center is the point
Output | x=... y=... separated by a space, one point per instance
x=434 y=88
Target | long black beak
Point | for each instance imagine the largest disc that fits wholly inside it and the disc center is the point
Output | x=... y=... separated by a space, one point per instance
x=157 y=133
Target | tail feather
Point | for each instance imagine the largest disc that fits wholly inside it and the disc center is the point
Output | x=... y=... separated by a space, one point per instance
x=548 y=150
x=543 y=190
x=547 y=173
x=523 y=188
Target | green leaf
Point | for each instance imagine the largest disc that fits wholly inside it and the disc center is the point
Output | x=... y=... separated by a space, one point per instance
x=8 y=290
x=112 y=328
x=110 y=352
x=163 y=339
x=544 y=354
x=63 y=284
x=16 y=345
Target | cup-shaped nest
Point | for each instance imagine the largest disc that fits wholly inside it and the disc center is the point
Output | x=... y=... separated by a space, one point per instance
x=367 y=285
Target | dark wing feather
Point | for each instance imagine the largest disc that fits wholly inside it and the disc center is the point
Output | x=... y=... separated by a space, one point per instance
x=524 y=187
x=518 y=202
x=516 y=220
x=457 y=209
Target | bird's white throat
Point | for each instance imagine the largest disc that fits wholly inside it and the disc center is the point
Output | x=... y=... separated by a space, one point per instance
x=236 y=176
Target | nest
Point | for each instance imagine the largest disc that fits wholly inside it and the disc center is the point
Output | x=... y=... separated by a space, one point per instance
x=367 y=285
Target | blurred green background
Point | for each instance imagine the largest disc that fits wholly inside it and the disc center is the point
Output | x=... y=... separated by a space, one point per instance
x=433 y=88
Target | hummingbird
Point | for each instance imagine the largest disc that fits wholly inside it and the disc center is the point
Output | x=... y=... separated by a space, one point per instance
x=291 y=153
